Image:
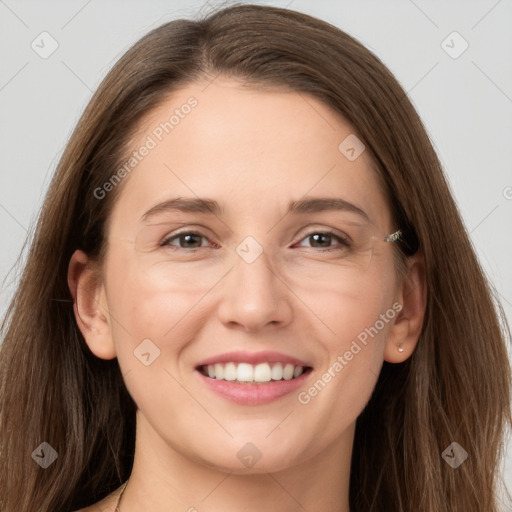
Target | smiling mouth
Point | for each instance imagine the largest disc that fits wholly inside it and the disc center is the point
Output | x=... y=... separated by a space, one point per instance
x=246 y=373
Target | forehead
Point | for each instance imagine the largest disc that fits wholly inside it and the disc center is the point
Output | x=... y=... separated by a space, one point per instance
x=251 y=149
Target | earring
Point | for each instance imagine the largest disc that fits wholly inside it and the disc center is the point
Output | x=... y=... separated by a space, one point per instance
x=399 y=347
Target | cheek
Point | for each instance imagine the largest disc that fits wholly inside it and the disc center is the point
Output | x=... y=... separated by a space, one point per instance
x=152 y=321
x=151 y=297
x=359 y=322
x=150 y=312
x=350 y=303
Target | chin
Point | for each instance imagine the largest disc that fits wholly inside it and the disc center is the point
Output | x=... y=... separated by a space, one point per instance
x=254 y=455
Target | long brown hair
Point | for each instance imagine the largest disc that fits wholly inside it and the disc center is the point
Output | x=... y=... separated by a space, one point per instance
x=454 y=387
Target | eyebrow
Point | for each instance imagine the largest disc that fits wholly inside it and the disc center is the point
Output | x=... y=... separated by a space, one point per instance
x=212 y=207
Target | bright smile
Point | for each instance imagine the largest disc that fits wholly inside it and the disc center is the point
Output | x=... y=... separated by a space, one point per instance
x=253 y=378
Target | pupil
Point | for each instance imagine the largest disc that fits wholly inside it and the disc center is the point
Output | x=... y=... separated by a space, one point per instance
x=320 y=235
x=188 y=237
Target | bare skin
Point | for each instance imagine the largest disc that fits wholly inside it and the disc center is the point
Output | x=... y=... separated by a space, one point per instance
x=252 y=151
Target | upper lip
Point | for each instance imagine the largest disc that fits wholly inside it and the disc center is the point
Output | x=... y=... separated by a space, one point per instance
x=265 y=356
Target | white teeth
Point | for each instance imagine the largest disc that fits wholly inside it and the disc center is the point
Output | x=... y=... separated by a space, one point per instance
x=277 y=371
x=230 y=371
x=288 y=372
x=262 y=372
x=245 y=372
x=218 y=371
x=297 y=372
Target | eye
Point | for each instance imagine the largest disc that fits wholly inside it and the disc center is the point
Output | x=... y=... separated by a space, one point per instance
x=186 y=240
x=323 y=239
x=191 y=241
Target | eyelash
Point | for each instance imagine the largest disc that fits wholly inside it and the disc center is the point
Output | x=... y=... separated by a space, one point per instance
x=344 y=241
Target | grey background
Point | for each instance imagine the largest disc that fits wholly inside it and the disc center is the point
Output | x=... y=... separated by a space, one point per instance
x=465 y=102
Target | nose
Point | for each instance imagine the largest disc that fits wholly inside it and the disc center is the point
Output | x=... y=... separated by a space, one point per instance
x=254 y=296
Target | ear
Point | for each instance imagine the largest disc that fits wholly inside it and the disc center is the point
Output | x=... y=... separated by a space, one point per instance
x=412 y=295
x=90 y=306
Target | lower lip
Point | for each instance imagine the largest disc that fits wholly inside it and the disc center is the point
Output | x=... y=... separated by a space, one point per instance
x=254 y=394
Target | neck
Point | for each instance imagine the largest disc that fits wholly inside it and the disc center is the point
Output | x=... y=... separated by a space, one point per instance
x=163 y=479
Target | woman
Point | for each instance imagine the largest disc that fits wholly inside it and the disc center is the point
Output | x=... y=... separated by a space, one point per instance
x=330 y=343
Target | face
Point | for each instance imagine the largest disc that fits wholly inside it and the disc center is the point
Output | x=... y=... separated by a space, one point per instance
x=243 y=288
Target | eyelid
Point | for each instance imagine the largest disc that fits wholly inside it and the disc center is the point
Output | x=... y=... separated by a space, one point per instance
x=316 y=228
x=165 y=241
